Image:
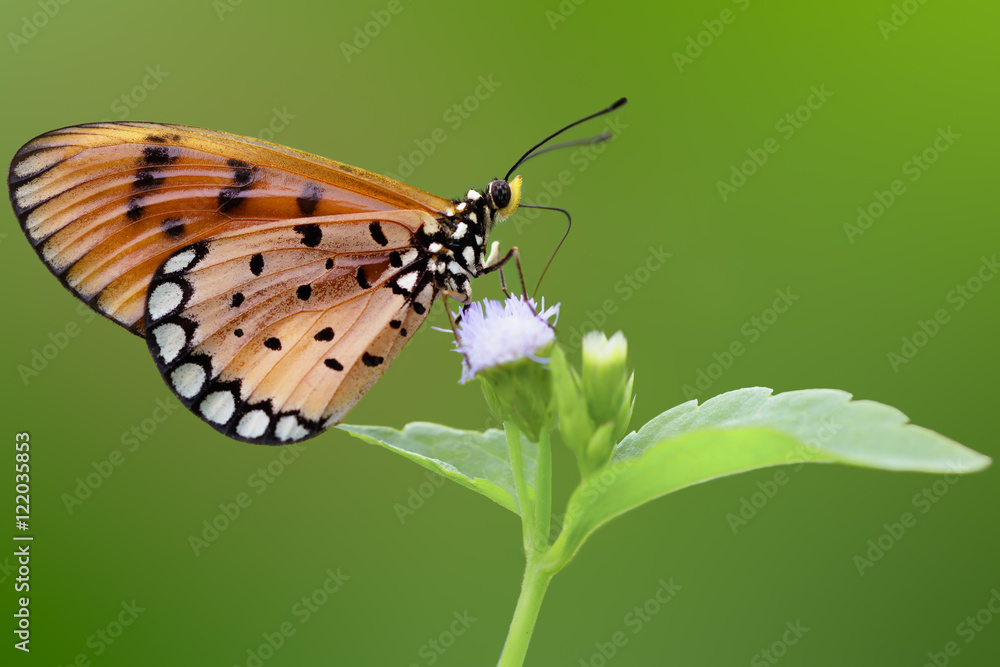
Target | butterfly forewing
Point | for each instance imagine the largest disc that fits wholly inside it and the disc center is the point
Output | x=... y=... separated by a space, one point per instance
x=105 y=204
x=271 y=334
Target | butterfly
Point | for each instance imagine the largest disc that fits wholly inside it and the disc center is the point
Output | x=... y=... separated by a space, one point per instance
x=272 y=287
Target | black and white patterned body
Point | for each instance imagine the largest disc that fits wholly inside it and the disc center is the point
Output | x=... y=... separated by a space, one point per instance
x=453 y=250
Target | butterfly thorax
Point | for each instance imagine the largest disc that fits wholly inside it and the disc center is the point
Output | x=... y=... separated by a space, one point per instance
x=453 y=250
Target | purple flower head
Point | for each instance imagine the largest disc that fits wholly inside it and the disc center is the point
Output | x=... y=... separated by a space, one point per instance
x=492 y=333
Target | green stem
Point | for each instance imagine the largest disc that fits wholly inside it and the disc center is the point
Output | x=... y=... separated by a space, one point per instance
x=536 y=581
x=543 y=492
x=524 y=504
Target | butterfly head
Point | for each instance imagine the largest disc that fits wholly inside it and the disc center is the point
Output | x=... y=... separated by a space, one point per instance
x=504 y=197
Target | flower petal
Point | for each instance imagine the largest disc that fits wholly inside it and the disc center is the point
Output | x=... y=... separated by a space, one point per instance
x=492 y=333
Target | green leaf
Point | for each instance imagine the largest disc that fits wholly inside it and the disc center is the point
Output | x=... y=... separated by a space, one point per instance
x=748 y=429
x=475 y=460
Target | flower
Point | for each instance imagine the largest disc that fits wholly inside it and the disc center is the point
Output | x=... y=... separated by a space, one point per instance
x=504 y=345
x=492 y=333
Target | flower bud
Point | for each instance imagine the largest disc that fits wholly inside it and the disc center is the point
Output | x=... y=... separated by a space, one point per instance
x=595 y=406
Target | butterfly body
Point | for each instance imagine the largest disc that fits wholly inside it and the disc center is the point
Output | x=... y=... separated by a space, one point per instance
x=273 y=287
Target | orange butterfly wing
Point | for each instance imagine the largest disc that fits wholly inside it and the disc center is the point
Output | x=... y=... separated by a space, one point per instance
x=273 y=287
x=105 y=204
x=271 y=334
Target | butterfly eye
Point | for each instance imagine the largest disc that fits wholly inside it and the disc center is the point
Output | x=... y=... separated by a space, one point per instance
x=500 y=193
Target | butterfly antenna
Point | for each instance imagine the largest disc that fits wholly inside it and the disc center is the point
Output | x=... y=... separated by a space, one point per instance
x=569 y=225
x=597 y=139
x=618 y=103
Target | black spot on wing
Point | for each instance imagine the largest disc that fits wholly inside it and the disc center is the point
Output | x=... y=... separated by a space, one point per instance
x=334 y=364
x=238 y=333
x=419 y=308
x=311 y=234
x=243 y=178
x=395 y=324
x=135 y=208
x=173 y=227
x=375 y=229
x=371 y=360
x=242 y=172
x=329 y=264
x=309 y=198
x=146 y=179
x=304 y=292
x=157 y=156
x=272 y=343
x=395 y=260
x=237 y=300
x=324 y=335
x=230 y=198
x=257 y=264
x=362 y=278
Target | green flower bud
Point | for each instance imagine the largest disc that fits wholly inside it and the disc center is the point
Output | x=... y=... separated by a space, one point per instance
x=594 y=406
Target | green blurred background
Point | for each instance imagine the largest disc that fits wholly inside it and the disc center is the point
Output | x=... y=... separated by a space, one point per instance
x=281 y=71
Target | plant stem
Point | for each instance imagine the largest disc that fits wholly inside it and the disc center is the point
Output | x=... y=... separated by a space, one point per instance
x=524 y=504
x=543 y=493
x=536 y=581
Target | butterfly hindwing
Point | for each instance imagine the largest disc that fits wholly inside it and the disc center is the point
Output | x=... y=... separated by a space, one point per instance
x=271 y=334
x=105 y=204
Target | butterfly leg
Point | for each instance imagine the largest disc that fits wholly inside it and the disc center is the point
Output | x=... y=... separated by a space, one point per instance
x=498 y=264
x=461 y=298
